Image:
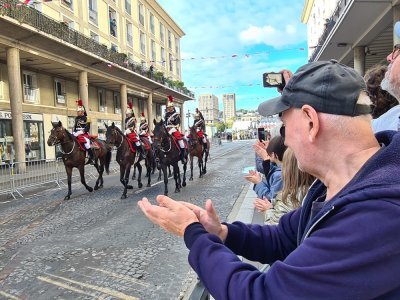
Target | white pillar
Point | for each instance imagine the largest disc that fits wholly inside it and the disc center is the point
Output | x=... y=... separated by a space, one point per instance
x=359 y=60
x=84 y=89
x=150 y=111
x=124 y=103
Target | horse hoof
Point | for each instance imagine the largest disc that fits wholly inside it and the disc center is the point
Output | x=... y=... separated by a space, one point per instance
x=177 y=191
x=140 y=185
x=96 y=188
x=133 y=177
x=183 y=183
x=191 y=179
x=123 y=197
x=129 y=187
x=148 y=185
x=165 y=193
x=90 y=189
x=204 y=172
x=66 y=197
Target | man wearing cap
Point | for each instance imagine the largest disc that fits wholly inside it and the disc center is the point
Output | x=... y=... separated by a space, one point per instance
x=130 y=129
x=81 y=130
x=343 y=243
x=172 y=121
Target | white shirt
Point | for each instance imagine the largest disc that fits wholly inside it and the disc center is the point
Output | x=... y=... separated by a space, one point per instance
x=388 y=121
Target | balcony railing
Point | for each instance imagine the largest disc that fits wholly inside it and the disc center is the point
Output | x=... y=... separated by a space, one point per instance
x=28 y=15
x=328 y=27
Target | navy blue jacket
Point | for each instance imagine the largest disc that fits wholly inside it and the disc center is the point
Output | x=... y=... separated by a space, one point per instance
x=349 y=250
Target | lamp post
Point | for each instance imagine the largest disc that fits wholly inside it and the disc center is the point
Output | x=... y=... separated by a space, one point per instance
x=188 y=117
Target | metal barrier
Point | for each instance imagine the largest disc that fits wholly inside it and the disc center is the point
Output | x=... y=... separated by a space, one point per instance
x=6 y=184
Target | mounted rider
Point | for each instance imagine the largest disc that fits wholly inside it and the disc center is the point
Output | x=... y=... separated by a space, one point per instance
x=130 y=129
x=144 y=128
x=81 y=129
x=172 y=121
x=200 y=127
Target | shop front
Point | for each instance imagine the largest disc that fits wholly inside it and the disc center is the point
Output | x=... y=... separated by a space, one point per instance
x=33 y=137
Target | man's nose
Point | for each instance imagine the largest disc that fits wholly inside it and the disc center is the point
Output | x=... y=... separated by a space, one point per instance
x=389 y=58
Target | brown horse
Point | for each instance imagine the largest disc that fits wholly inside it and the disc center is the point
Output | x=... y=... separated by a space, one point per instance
x=74 y=157
x=167 y=153
x=126 y=158
x=196 y=149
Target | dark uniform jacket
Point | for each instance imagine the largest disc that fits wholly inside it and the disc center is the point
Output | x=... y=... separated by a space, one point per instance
x=81 y=123
x=130 y=123
x=172 y=119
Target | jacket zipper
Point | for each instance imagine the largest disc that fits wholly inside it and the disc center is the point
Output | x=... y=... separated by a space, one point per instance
x=316 y=222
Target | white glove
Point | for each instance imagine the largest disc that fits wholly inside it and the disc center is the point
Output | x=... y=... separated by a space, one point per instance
x=128 y=131
x=76 y=133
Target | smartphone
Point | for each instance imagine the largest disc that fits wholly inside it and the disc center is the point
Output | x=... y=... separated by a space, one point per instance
x=273 y=79
x=261 y=134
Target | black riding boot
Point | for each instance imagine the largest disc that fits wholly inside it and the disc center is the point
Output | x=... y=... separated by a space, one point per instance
x=182 y=155
x=91 y=157
x=139 y=149
x=205 y=146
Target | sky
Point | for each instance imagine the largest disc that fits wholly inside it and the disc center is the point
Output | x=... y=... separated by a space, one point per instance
x=238 y=30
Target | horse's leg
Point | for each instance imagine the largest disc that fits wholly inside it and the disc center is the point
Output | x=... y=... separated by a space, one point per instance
x=69 y=178
x=139 y=167
x=134 y=172
x=184 y=174
x=100 y=169
x=191 y=168
x=205 y=162
x=127 y=169
x=164 y=170
x=159 y=174
x=148 y=170
x=200 y=164
x=169 y=171
x=177 y=177
x=83 y=181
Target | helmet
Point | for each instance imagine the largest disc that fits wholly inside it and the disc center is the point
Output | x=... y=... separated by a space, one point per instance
x=142 y=117
x=197 y=114
x=80 y=105
x=170 y=102
x=129 y=110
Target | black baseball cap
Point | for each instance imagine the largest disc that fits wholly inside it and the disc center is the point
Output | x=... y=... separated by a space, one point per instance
x=328 y=86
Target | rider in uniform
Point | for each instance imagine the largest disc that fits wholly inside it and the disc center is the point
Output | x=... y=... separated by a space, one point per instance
x=172 y=123
x=130 y=129
x=144 y=128
x=81 y=129
x=200 y=127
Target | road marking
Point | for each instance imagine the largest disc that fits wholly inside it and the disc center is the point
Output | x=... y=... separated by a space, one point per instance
x=121 y=276
x=66 y=286
x=8 y=296
x=108 y=291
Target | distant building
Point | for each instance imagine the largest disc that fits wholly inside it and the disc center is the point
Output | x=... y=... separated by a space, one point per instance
x=208 y=105
x=245 y=115
x=229 y=102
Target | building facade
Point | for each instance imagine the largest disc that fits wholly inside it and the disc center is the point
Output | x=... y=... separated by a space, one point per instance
x=209 y=107
x=229 y=102
x=99 y=51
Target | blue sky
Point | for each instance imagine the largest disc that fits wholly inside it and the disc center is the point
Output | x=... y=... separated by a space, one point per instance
x=224 y=28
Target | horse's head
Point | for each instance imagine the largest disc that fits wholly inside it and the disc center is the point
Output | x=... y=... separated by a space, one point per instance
x=57 y=134
x=159 y=132
x=112 y=135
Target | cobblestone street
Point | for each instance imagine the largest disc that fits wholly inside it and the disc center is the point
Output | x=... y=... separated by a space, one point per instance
x=99 y=246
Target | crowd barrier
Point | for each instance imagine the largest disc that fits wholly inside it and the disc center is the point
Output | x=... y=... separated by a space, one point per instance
x=15 y=177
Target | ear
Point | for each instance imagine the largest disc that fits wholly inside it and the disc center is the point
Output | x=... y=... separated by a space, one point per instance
x=311 y=117
x=113 y=124
x=59 y=124
x=105 y=125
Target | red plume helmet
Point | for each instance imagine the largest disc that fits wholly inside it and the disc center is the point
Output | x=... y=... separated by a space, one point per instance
x=197 y=110
x=170 y=101
x=129 y=110
x=142 y=117
x=80 y=107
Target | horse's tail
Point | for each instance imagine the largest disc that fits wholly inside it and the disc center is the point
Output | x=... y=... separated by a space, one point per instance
x=108 y=161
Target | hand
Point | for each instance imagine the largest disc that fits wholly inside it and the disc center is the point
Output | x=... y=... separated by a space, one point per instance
x=128 y=131
x=260 y=149
x=209 y=218
x=253 y=177
x=171 y=215
x=262 y=205
x=287 y=74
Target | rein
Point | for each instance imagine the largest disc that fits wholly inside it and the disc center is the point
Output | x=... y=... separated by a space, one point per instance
x=59 y=144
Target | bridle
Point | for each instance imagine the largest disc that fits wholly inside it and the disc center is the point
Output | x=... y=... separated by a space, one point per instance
x=161 y=141
x=116 y=133
x=57 y=142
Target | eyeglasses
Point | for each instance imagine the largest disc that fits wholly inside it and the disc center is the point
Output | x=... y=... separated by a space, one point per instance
x=396 y=51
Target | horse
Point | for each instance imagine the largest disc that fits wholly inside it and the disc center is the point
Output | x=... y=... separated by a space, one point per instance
x=126 y=158
x=167 y=152
x=74 y=156
x=196 y=149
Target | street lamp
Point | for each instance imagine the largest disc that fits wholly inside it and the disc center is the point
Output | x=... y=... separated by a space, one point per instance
x=188 y=117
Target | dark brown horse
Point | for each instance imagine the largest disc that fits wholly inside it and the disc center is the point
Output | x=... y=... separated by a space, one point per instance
x=126 y=158
x=196 y=149
x=167 y=153
x=74 y=157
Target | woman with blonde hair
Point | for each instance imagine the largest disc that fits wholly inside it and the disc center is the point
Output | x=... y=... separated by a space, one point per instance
x=295 y=187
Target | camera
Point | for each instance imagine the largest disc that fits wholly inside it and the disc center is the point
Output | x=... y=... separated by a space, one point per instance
x=273 y=79
x=261 y=134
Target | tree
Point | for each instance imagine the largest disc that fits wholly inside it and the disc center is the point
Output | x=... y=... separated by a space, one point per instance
x=221 y=127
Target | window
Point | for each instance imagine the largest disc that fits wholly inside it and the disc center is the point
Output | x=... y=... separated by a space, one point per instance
x=30 y=87
x=128 y=8
x=162 y=56
x=171 y=66
x=117 y=103
x=93 y=11
x=129 y=37
x=169 y=40
x=59 y=86
x=102 y=100
x=94 y=36
x=113 y=22
x=142 y=43
x=162 y=33
x=178 y=71
x=141 y=14
x=67 y=3
x=152 y=30
x=141 y=106
x=153 y=51
x=176 y=46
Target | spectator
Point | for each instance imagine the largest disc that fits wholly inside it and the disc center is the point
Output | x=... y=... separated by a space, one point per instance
x=343 y=242
x=382 y=101
x=113 y=27
x=262 y=157
x=273 y=180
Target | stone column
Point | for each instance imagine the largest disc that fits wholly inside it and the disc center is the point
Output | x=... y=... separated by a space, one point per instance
x=124 y=103
x=150 y=111
x=84 y=89
x=16 y=98
x=359 y=60
x=182 y=119
x=396 y=17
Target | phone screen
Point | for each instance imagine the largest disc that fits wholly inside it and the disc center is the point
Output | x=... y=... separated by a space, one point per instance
x=261 y=134
x=273 y=80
